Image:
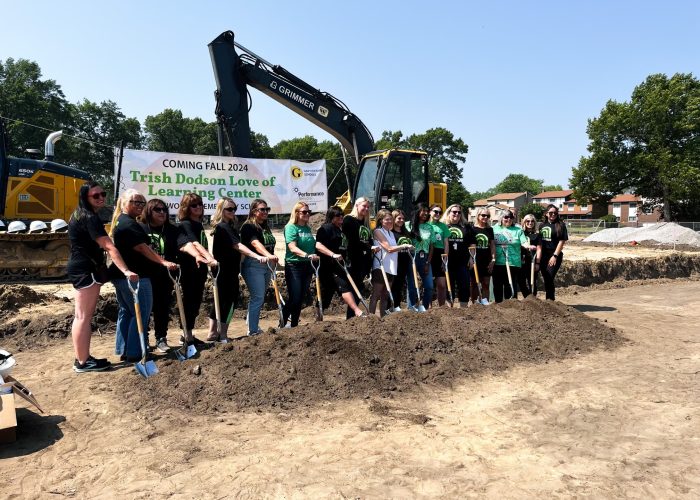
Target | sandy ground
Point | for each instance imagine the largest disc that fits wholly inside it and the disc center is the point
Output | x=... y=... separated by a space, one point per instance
x=620 y=423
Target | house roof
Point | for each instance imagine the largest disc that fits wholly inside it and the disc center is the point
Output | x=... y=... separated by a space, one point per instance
x=481 y=203
x=554 y=194
x=622 y=198
x=507 y=196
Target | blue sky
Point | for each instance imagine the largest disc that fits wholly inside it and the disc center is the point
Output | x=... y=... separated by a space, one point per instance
x=517 y=81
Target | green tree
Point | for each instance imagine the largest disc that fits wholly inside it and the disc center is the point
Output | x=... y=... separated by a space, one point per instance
x=260 y=146
x=103 y=126
x=650 y=145
x=170 y=131
x=531 y=208
x=518 y=183
x=25 y=96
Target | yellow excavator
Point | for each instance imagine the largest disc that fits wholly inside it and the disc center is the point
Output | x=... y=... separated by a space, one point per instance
x=393 y=178
x=36 y=200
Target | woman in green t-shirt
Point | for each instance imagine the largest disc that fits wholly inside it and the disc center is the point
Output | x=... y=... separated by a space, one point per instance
x=422 y=237
x=301 y=249
x=440 y=247
x=509 y=240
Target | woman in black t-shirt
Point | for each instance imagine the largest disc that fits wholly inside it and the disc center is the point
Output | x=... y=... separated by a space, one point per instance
x=332 y=245
x=529 y=225
x=553 y=236
x=256 y=235
x=460 y=238
x=163 y=238
x=227 y=250
x=359 y=256
x=194 y=275
x=485 y=255
x=87 y=270
x=133 y=244
x=403 y=268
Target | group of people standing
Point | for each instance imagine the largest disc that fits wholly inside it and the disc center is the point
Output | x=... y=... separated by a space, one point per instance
x=150 y=255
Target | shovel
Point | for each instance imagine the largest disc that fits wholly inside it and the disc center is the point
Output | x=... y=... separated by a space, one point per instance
x=532 y=272
x=445 y=260
x=215 y=291
x=316 y=264
x=186 y=351
x=482 y=300
x=393 y=307
x=420 y=307
x=510 y=278
x=145 y=367
x=278 y=296
x=353 y=285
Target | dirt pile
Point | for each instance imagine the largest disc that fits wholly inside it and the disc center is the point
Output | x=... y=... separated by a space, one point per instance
x=30 y=319
x=368 y=357
x=589 y=272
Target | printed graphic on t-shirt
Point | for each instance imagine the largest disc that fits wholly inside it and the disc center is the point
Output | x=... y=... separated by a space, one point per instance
x=364 y=234
x=203 y=240
x=343 y=242
x=482 y=241
x=157 y=243
x=404 y=240
x=546 y=233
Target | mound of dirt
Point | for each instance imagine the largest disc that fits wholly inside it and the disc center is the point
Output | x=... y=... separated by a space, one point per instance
x=589 y=272
x=14 y=297
x=367 y=357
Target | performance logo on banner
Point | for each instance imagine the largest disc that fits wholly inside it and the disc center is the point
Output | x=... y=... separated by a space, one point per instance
x=168 y=176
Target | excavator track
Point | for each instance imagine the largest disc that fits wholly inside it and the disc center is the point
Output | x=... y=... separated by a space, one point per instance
x=33 y=257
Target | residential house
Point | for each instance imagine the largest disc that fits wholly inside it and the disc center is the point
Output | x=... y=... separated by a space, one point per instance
x=628 y=210
x=499 y=203
x=568 y=207
x=557 y=198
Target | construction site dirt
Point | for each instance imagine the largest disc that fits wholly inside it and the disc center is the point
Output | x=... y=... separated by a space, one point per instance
x=595 y=395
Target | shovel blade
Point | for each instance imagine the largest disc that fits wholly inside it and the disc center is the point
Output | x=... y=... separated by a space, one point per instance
x=187 y=353
x=146 y=369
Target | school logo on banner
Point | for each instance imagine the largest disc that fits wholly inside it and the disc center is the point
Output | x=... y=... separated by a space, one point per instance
x=297 y=173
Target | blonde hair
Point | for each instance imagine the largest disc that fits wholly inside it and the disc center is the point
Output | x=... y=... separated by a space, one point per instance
x=527 y=218
x=294 y=216
x=120 y=207
x=483 y=211
x=219 y=211
x=462 y=220
x=354 y=213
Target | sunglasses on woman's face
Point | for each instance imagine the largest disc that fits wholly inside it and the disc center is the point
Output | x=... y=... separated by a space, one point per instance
x=305 y=212
x=266 y=209
x=138 y=203
x=160 y=210
x=485 y=216
x=551 y=213
x=508 y=217
x=97 y=196
x=230 y=209
x=529 y=222
x=196 y=205
x=456 y=212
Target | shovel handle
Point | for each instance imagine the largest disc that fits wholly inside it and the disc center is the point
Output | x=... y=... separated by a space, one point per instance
x=354 y=287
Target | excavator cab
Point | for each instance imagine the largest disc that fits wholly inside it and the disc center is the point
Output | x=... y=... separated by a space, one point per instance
x=394 y=179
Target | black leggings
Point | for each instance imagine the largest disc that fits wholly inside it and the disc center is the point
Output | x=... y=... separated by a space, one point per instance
x=524 y=285
x=229 y=291
x=501 y=286
x=459 y=279
x=549 y=273
x=398 y=286
x=162 y=302
x=192 y=291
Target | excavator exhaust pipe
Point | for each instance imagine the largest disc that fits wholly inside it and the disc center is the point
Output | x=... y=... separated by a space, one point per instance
x=52 y=139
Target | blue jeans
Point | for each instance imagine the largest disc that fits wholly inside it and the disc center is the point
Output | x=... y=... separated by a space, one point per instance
x=257 y=278
x=126 y=338
x=426 y=278
x=298 y=277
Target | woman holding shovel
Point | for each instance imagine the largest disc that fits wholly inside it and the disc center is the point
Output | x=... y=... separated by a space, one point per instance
x=163 y=237
x=133 y=245
x=509 y=240
x=385 y=262
x=483 y=257
x=194 y=275
x=332 y=244
x=422 y=237
x=227 y=249
x=87 y=271
x=554 y=235
x=256 y=235
x=403 y=269
x=440 y=250
x=531 y=254
x=357 y=231
x=300 y=253
x=461 y=237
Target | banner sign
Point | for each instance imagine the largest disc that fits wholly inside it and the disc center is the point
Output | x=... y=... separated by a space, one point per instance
x=168 y=176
